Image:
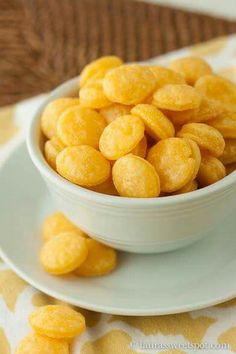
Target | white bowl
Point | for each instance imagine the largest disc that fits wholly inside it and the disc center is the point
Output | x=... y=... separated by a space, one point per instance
x=133 y=224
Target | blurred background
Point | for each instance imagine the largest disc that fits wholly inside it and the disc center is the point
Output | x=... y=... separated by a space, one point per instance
x=45 y=42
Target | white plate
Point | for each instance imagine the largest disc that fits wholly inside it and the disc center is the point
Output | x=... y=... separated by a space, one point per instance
x=195 y=277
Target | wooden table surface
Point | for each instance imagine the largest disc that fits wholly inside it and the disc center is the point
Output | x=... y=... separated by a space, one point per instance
x=43 y=43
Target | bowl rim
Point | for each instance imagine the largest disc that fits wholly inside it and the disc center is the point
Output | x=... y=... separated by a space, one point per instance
x=39 y=161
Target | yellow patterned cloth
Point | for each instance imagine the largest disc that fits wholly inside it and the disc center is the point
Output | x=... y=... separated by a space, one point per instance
x=107 y=334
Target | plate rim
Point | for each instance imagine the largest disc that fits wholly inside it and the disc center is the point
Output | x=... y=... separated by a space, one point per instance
x=108 y=309
x=112 y=310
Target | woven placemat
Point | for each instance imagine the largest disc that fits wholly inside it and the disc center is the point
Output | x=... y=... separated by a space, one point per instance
x=43 y=43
